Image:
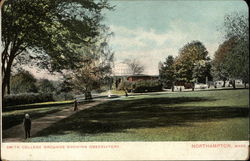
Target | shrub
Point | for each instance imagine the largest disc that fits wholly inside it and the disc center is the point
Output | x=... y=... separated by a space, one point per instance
x=147 y=86
x=126 y=85
x=26 y=98
x=23 y=82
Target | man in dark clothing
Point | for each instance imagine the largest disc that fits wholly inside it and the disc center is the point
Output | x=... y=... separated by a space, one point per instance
x=27 y=125
x=75 y=105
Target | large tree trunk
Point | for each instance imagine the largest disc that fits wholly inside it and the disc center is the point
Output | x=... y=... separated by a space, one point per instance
x=172 y=86
x=245 y=85
x=8 y=85
x=6 y=67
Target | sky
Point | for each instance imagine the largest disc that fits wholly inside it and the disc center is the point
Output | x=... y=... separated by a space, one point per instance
x=150 y=30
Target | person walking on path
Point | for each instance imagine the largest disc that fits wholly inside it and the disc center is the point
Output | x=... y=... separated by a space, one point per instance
x=27 y=125
x=75 y=105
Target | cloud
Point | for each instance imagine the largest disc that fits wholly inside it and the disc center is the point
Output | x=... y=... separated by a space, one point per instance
x=132 y=37
x=150 y=47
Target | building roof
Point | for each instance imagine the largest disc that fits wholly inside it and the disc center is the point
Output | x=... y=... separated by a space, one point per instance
x=121 y=69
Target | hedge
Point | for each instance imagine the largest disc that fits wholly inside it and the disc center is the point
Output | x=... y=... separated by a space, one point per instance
x=26 y=98
x=141 y=86
x=147 y=86
x=126 y=85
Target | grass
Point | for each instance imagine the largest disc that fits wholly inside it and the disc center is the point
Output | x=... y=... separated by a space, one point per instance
x=220 y=115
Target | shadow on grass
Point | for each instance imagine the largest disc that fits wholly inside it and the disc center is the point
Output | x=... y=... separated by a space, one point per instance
x=119 y=115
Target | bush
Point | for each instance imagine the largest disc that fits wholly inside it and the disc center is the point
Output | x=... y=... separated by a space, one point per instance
x=27 y=98
x=147 y=86
x=126 y=85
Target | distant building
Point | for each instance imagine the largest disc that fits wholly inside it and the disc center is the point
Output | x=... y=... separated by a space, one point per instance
x=121 y=72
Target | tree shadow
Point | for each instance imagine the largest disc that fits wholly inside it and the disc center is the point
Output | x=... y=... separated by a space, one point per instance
x=120 y=115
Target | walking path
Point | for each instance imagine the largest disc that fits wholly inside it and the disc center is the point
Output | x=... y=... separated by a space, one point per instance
x=16 y=133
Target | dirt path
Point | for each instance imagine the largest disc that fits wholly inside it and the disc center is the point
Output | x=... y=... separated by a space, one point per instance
x=16 y=133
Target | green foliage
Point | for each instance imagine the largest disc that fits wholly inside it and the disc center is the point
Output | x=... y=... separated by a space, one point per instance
x=201 y=71
x=167 y=72
x=65 y=86
x=23 y=82
x=219 y=69
x=45 y=86
x=126 y=85
x=51 y=29
x=26 y=98
x=235 y=62
x=190 y=54
x=147 y=86
x=95 y=70
x=49 y=26
x=141 y=86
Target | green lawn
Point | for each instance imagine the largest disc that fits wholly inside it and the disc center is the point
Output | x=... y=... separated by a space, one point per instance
x=220 y=115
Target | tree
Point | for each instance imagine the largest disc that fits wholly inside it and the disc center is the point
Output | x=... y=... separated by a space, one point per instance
x=167 y=72
x=47 y=30
x=188 y=56
x=45 y=86
x=201 y=71
x=23 y=82
x=95 y=69
x=65 y=86
x=219 y=70
x=236 y=26
x=135 y=66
